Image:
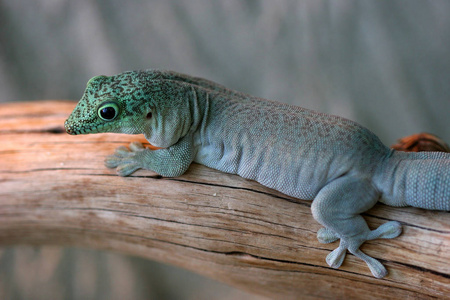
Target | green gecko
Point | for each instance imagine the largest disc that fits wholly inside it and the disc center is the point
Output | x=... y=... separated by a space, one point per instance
x=343 y=167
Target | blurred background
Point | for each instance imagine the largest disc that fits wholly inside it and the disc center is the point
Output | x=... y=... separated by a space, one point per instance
x=384 y=64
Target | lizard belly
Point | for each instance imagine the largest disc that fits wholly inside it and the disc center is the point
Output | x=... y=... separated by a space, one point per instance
x=299 y=173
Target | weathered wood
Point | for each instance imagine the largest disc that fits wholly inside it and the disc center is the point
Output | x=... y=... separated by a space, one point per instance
x=54 y=189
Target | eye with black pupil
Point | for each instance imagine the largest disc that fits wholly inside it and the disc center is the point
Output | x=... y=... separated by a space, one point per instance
x=149 y=115
x=108 y=113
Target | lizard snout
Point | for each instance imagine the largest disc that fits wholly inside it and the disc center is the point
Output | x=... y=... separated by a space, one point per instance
x=69 y=128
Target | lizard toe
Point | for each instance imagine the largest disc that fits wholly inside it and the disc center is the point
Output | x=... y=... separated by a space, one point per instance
x=326 y=236
x=388 y=230
x=376 y=268
x=136 y=146
x=122 y=151
x=336 y=258
x=112 y=161
x=127 y=169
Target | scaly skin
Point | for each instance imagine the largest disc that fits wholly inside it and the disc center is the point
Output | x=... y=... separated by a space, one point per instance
x=340 y=165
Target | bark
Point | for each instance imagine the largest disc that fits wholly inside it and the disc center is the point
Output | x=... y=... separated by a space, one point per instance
x=54 y=190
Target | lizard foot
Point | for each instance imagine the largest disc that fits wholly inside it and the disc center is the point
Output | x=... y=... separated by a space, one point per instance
x=388 y=230
x=335 y=258
x=126 y=160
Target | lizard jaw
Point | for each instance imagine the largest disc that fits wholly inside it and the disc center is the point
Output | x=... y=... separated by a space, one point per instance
x=75 y=129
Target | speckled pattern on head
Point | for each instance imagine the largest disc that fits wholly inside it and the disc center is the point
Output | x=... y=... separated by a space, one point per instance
x=129 y=87
x=343 y=167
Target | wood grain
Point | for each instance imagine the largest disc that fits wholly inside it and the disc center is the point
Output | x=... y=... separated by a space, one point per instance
x=54 y=190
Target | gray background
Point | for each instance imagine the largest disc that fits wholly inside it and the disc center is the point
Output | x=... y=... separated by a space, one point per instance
x=384 y=64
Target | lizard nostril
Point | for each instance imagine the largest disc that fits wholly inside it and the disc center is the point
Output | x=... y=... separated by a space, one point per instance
x=68 y=128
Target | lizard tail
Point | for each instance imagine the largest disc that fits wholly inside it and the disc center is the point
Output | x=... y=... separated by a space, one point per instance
x=420 y=179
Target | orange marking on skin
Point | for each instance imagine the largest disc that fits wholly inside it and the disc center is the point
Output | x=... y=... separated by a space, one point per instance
x=151 y=147
x=147 y=144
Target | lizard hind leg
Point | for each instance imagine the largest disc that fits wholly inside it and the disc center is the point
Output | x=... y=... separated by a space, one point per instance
x=338 y=206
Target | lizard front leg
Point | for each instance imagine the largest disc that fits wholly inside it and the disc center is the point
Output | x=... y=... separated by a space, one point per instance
x=169 y=162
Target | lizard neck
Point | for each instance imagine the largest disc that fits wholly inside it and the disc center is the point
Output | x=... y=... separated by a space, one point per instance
x=199 y=108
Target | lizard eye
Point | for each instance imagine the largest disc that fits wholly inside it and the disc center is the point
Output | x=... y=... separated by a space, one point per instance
x=108 y=111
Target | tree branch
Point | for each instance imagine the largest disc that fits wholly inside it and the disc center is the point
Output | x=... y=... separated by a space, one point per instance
x=54 y=189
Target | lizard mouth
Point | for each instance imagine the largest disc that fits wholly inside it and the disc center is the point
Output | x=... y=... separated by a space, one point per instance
x=73 y=129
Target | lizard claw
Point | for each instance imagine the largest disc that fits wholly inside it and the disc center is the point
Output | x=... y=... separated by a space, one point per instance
x=125 y=159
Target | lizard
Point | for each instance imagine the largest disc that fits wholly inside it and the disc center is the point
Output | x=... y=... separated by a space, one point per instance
x=340 y=165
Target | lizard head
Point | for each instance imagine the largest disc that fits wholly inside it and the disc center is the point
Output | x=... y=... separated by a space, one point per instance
x=133 y=103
